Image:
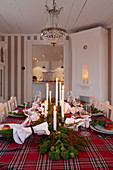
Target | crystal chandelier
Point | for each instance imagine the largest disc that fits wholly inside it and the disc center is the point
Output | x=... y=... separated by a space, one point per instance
x=53 y=33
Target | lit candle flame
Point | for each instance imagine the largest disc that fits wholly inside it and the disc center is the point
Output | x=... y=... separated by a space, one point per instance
x=56 y=79
x=62 y=87
x=47 y=84
x=85 y=76
x=54 y=108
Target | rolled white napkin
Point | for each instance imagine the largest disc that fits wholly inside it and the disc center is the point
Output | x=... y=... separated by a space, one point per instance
x=21 y=133
x=74 y=109
x=80 y=122
x=32 y=116
x=34 y=105
x=67 y=107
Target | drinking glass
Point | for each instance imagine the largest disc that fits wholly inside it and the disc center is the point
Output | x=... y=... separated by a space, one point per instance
x=38 y=97
x=70 y=98
x=25 y=108
x=85 y=109
x=86 y=115
x=77 y=98
x=69 y=93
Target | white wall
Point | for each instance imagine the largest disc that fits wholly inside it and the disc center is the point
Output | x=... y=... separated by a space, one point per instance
x=95 y=56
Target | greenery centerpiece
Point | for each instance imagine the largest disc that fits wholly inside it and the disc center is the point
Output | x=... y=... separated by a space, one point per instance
x=64 y=142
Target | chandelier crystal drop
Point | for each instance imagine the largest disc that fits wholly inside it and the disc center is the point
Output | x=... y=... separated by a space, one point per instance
x=53 y=33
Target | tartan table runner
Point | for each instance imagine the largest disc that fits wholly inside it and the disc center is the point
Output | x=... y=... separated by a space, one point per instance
x=97 y=155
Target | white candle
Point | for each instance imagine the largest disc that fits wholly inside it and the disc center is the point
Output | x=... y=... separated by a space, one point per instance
x=54 y=119
x=45 y=108
x=47 y=93
x=60 y=93
x=56 y=91
x=62 y=107
x=50 y=96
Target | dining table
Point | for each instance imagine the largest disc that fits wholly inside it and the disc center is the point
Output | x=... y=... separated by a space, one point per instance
x=98 y=154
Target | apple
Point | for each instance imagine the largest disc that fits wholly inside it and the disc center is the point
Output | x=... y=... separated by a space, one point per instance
x=5 y=127
x=108 y=126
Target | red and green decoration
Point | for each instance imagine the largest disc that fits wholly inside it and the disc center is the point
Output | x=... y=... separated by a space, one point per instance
x=63 y=143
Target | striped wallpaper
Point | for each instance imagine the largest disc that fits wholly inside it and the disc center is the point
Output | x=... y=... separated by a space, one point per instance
x=15 y=83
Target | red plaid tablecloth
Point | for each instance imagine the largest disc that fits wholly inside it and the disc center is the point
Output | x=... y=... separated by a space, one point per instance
x=97 y=155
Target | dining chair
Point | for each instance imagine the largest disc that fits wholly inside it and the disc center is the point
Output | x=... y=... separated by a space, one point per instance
x=110 y=112
x=1 y=104
x=2 y=100
x=3 y=111
x=94 y=101
x=15 y=100
x=104 y=107
x=12 y=103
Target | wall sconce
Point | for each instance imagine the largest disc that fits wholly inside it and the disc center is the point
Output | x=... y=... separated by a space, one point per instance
x=85 y=75
x=85 y=47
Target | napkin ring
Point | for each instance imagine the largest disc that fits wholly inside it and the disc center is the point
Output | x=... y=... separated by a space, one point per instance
x=32 y=129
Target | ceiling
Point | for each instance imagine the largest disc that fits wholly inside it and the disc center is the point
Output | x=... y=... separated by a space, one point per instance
x=29 y=16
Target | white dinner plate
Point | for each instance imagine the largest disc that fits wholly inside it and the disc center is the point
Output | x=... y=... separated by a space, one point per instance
x=12 y=125
x=100 y=130
x=103 y=129
x=21 y=105
x=12 y=115
x=97 y=114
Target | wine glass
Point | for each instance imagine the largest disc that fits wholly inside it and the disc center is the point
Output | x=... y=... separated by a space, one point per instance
x=86 y=116
x=25 y=108
x=77 y=98
x=69 y=93
x=38 y=97
x=70 y=98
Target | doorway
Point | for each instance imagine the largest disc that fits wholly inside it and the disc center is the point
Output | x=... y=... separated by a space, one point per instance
x=48 y=64
x=29 y=66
